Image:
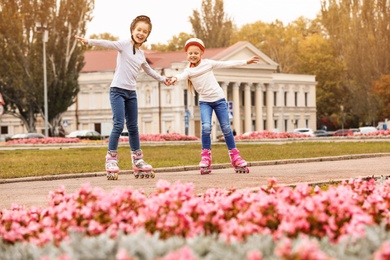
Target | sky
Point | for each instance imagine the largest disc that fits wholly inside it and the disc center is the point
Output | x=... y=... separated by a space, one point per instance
x=171 y=17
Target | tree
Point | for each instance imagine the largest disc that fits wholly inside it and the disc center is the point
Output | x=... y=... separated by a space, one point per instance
x=381 y=90
x=21 y=73
x=212 y=25
x=360 y=32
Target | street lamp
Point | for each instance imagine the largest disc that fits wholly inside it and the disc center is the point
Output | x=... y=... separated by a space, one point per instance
x=42 y=28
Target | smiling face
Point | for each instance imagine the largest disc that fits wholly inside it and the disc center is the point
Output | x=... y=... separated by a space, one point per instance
x=194 y=55
x=141 y=32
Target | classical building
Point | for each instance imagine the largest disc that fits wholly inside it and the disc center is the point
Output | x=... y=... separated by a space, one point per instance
x=259 y=97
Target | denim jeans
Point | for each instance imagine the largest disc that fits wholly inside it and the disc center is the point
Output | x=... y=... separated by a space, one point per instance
x=221 y=111
x=124 y=105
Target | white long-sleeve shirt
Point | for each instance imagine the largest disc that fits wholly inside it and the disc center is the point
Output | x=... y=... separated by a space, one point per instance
x=127 y=64
x=203 y=79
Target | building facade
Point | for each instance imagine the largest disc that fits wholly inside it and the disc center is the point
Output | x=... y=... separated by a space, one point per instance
x=259 y=97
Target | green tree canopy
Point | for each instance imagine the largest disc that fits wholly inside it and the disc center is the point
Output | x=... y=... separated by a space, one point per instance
x=360 y=32
x=212 y=25
x=21 y=54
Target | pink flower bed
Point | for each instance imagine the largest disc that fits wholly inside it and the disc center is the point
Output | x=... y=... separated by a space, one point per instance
x=269 y=135
x=47 y=140
x=175 y=210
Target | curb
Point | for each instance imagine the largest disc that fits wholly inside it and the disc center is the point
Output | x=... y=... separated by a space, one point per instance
x=191 y=168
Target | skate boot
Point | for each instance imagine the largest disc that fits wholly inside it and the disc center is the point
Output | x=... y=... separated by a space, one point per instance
x=239 y=164
x=140 y=167
x=205 y=163
x=112 y=168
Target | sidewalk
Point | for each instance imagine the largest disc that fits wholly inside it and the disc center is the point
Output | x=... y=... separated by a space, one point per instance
x=34 y=191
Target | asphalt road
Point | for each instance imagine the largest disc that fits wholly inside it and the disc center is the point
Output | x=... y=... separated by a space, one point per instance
x=35 y=191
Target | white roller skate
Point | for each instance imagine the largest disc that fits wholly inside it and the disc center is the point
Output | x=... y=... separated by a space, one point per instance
x=140 y=167
x=205 y=163
x=239 y=164
x=112 y=168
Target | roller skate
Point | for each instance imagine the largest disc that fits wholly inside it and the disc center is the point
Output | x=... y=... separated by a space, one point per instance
x=239 y=164
x=112 y=168
x=205 y=163
x=140 y=167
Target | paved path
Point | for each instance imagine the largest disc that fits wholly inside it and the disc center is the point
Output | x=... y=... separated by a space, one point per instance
x=35 y=191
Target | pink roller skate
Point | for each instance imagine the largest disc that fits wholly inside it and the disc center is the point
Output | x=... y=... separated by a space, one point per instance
x=239 y=164
x=140 y=167
x=205 y=163
x=112 y=168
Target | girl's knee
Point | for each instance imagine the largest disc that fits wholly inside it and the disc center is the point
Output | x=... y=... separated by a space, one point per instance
x=206 y=128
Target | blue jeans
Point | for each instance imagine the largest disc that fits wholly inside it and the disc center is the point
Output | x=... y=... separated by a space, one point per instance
x=221 y=111
x=124 y=105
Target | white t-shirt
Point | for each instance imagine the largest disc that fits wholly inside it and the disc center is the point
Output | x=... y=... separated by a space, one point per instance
x=128 y=64
x=203 y=79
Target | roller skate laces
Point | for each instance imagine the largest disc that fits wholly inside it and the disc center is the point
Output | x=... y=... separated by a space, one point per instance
x=205 y=162
x=239 y=164
x=112 y=168
x=140 y=167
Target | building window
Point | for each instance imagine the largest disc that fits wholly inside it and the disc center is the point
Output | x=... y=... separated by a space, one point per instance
x=285 y=125
x=264 y=124
x=296 y=98
x=306 y=101
x=253 y=102
x=275 y=124
x=307 y=123
x=185 y=98
x=275 y=98
x=264 y=98
x=4 y=130
x=285 y=98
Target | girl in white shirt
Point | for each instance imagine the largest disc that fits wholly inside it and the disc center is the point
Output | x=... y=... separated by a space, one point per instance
x=123 y=95
x=200 y=76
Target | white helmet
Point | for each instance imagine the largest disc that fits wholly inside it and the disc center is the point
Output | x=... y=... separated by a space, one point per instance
x=196 y=42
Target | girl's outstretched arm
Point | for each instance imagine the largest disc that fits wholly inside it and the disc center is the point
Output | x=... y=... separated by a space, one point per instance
x=254 y=59
x=81 y=39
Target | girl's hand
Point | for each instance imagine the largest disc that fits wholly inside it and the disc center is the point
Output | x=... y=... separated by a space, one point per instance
x=173 y=80
x=254 y=59
x=82 y=40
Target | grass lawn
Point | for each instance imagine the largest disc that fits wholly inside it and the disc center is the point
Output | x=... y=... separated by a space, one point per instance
x=27 y=163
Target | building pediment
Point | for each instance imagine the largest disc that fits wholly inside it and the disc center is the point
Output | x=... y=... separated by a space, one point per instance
x=244 y=50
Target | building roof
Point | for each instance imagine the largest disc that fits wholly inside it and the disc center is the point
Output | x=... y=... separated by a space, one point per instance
x=105 y=60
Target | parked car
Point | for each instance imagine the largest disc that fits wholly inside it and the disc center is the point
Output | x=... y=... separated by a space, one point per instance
x=343 y=132
x=355 y=131
x=27 y=136
x=85 y=134
x=367 y=129
x=306 y=131
x=322 y=133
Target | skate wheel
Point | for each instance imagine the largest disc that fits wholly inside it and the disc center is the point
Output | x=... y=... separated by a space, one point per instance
x=112 y=176
x=152 y=174
x=136 y=175
x=147 y=175
x=142 y=175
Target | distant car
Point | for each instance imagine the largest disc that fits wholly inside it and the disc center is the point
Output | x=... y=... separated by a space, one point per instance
x=85 y=134
x=305 y=131
x=27 y=136
x=322 y=133
x=343 y=132
x=367 y=129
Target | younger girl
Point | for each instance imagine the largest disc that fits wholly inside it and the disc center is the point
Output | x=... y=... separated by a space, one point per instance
x=200 y=76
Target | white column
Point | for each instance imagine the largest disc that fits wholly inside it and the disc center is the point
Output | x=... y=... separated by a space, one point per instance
x=236 y=108
x=248 y=108
x=259 y=107
x=269 y=108
x=225 y=89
